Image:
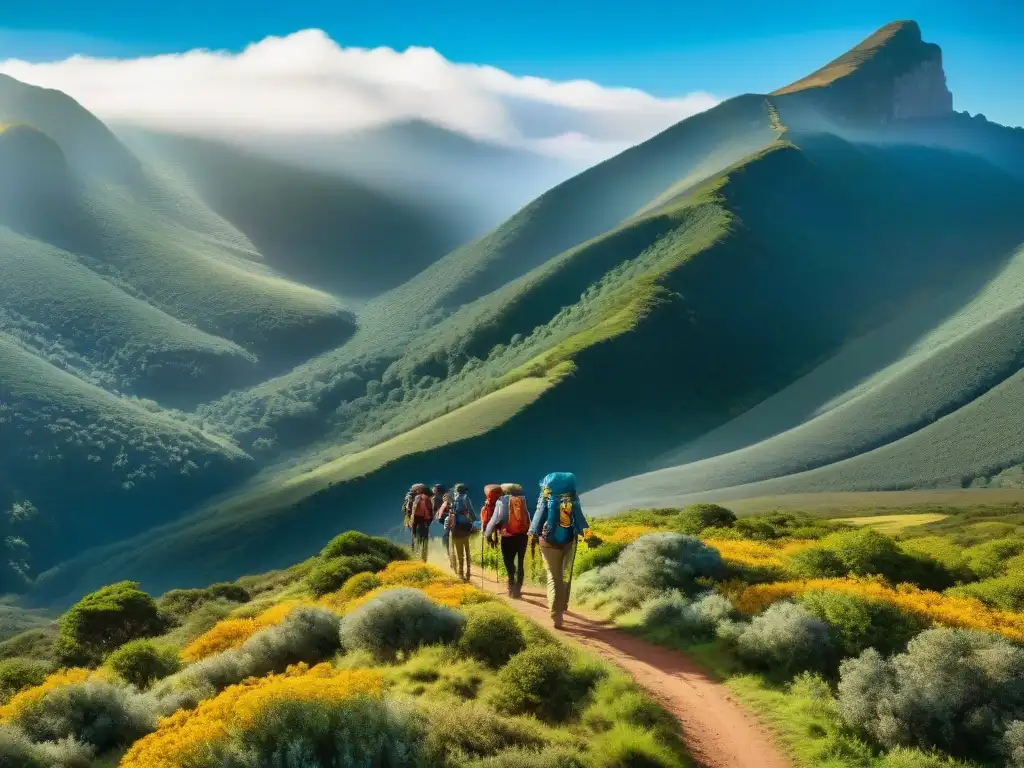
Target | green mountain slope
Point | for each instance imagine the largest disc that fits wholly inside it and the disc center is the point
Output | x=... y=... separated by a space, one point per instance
x=818 y=288
x=323 y=229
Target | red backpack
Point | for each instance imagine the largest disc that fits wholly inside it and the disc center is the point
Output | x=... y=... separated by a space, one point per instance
x=518 y=516
x=423 y=507
x=492 y=494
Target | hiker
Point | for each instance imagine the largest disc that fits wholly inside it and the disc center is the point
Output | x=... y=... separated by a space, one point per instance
x=459 y=520
x=439 y=497
x=512 y=518
x=557 y=523
x=417 y=512
x=491 y=495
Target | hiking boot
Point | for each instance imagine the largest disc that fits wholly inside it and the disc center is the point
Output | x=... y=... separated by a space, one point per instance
x=517 y=592
x=556 y=621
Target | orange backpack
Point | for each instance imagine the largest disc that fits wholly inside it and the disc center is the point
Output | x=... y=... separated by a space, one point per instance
x=518 y=516
x=492 y=493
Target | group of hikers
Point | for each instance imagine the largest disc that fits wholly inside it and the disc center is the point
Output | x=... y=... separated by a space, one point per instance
x=505 y=521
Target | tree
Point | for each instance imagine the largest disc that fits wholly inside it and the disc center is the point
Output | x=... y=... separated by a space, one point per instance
x=105 y=620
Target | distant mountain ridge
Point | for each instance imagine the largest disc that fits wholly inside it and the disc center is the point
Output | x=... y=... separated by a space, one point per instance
x=814 y=288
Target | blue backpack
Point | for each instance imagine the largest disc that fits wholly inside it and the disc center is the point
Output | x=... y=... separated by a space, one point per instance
x=558 y=493
x=463 y=521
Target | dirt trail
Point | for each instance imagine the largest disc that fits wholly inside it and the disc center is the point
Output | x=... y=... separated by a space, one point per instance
x=718 y=732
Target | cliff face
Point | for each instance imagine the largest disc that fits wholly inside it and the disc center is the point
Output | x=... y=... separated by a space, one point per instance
x=892 y=75
x=922 y=92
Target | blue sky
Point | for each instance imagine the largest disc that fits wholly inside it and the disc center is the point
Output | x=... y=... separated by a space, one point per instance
x=663 y=47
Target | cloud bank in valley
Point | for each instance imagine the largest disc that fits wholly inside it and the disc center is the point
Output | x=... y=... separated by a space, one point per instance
x=305 y=83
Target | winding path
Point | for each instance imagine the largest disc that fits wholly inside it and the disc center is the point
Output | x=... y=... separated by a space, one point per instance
x=718 y=732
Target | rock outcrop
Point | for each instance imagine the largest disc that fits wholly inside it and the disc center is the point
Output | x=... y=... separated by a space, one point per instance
x=892 y=75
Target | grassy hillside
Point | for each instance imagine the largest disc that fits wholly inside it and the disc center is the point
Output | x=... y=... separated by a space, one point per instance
x=321 y=228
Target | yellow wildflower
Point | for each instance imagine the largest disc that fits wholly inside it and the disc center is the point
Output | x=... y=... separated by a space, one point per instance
x=948 y=610
x=232 y=633
x=56 y=680
x=188 y=733
x=758 y=554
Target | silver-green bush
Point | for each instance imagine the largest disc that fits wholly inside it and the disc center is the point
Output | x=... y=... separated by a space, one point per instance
x=786 y=639
x=673 y=616
x=653 y=564
x=399 y=621
x=954 y=689
x=93 y=712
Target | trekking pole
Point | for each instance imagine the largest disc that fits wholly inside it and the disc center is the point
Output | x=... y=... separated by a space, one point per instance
x=572 y=567
x=481 y=558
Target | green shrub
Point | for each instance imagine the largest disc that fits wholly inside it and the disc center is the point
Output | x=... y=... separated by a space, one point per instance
x=543 y=681
x=105 y=620
x=363 y=730
x=817 y=563
x=1013 y=744
x=865 y=552
x=357 y=543
x=696 y=517
x=627 y=746
x=653 y=564
x=988 y=559
x=786 y=639
x=143 y=662
x=616 y=699
x=469 y=729
x=550 y=757
x=17 y=674
x=1005 y=592
x=604 y=554
x=178 y=604
x=399 y=621
x=359 y=585
x=330 y=575
x=857 y=623
x=491 y=634
x=757 y=529
x=101 y=714
x=672 y=617
x=953 y=690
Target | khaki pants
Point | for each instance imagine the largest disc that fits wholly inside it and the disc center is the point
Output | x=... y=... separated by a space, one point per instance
x=460 y=554
x=557 y=562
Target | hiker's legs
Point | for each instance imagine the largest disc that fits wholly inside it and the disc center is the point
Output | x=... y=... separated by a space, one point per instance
x=567 y=563
x=554 y=559
x=422 y=533
x=521 y=543
x=462 y=552
x=508 y=554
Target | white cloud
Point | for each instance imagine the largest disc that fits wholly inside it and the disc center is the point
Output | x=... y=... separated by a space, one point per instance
x=306 y=83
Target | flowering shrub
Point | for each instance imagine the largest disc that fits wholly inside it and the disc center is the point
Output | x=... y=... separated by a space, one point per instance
x=627 y=534
x=758 y=554
x=186 y=737
x=414 y=574
x=52 y=682
x=950 y=610
x=232 y=633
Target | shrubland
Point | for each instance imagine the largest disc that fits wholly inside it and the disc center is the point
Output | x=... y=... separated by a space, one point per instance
x=863 y=649
x=401 y=664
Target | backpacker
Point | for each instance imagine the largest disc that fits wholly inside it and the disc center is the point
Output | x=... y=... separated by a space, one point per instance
x=407 y=504
x=462 y=518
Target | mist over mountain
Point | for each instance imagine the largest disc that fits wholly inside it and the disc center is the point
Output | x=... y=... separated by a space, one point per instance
x=231 y=349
